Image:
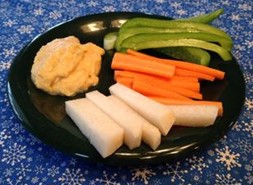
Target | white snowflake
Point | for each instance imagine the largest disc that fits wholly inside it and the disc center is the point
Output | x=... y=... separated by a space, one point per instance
x=142 y=174
x=55 y=15
x=9 y=23
x=16 y=181
x=249 y=177
x=39 y=169
x=228 y=158
x=14 y=154
x=3 y=136
x=249 y=104
x=245 y=7
x=23 y=169
x=53 y=171
x=244 y=145
x=25 y=29
x=8 y=172
x=248 y=127
x=197 y=163
x=106 y=180
x=222 y=179
x=38 y=11
x=108 y=8
x=9 y=52
x=72 y=176
x=175 y=172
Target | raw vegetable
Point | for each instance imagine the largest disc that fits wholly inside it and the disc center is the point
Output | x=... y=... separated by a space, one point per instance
x=150 y=134
x=132 y=128
x=147 y=89
x=194 y=116
x=169 y=101
x=159 y=86
x=186 y=39
x=205 y=18
x=101 y=131
x=185 y=72
x=128 y=62
x=109 y=40
x=203 y=36
x=188 y=54
x=223 y=53
x=157 y=114
x=181 y=64
x=178 y=81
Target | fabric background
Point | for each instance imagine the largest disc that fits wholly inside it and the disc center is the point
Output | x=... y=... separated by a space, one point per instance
x=26 y=160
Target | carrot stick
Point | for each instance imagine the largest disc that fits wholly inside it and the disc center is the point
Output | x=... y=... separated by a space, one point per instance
x=181 y=64
x=148 y=89
x=185 y=72
x=128 y=62
x=125 y=81
x=169 y=101
x=179 y=81
x=158 y=83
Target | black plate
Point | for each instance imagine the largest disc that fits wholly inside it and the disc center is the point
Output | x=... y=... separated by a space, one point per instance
x=45 y=117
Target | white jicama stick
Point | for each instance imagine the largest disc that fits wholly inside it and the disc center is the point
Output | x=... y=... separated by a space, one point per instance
x=132 y=130
x=101 y=131
x=156 y=113
x=194 y=115
x=150 y=134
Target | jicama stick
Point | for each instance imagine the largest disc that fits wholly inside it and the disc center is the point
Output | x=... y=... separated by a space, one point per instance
x=132 y=130
x=157 y=114
x=169 y=101
x=128 y=62
x=150 y=134
x=194 y=115
x=101 y=131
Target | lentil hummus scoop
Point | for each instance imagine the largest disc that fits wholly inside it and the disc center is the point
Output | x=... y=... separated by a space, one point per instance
x=66 y=67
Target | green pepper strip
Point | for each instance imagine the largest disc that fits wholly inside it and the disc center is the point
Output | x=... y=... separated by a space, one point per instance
x=158 y=23
x=128 y=32
x=189 y=54
x=205 y=18
x=224 y=42
x=224 y=54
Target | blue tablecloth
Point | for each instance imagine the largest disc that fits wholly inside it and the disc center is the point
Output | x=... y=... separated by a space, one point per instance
x=26 y=160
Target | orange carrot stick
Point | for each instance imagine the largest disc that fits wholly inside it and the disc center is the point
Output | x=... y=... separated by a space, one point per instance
x=158 y=83
x=128 y=62
x=169 y=101
x=148 y=89
x=185 y=72
x=181 y=64
x=125 y=81
x=179 y=81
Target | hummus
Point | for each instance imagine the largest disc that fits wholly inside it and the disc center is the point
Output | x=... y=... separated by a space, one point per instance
x=66 y=67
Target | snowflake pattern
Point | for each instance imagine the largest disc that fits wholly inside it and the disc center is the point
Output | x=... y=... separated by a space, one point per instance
x=26 y=160
x=14 y=154
x=175 y=172
x=142 y=174
x=107 y=179
x=72 y=176
x=197 y=163
x=228 y=158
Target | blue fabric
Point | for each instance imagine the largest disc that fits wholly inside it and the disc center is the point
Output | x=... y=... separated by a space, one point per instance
x=26 y=160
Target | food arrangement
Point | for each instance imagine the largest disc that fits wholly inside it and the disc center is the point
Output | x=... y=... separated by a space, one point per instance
x=153 y=93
